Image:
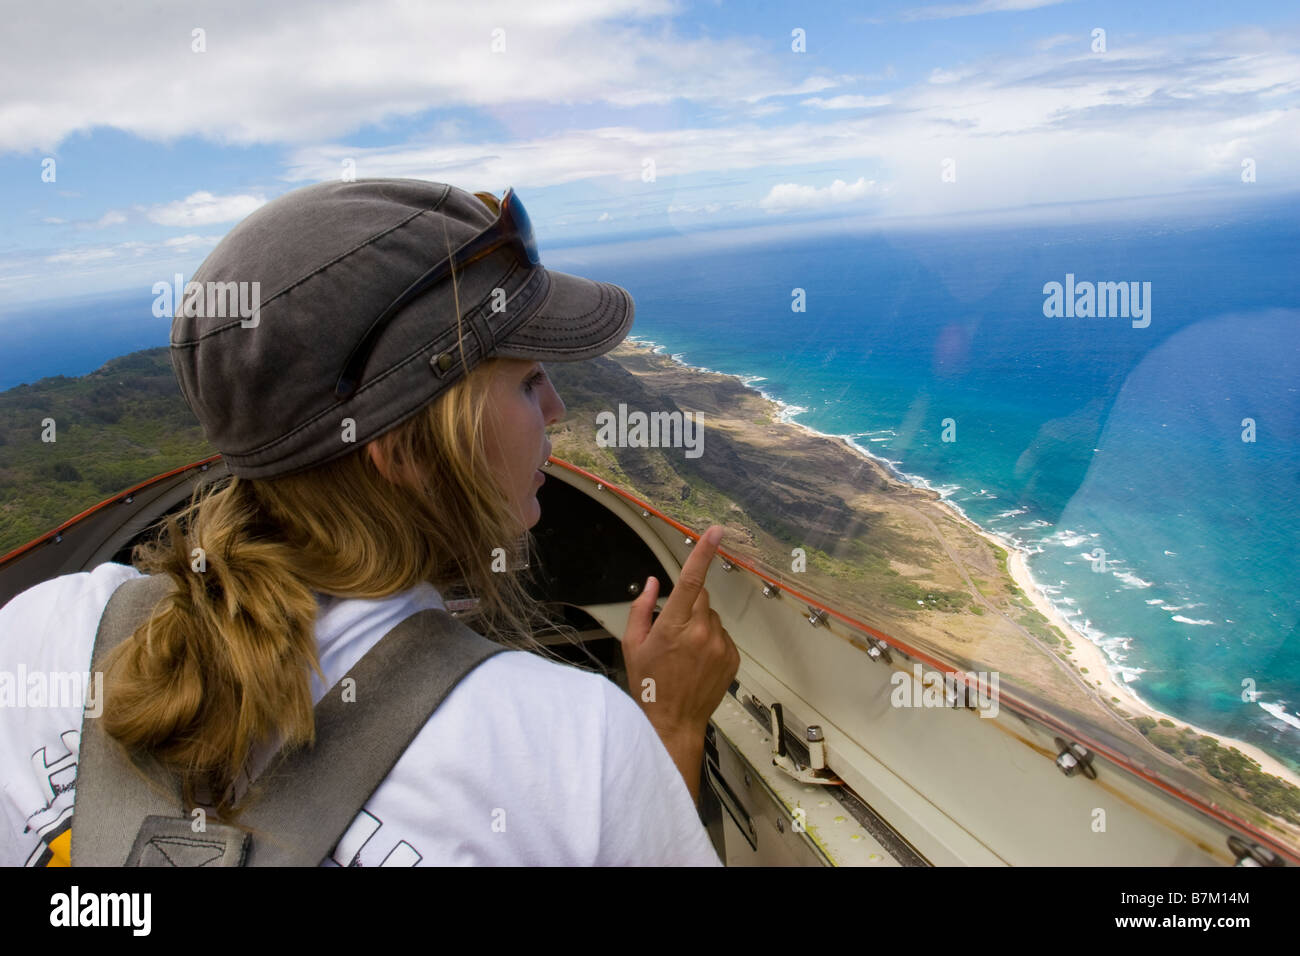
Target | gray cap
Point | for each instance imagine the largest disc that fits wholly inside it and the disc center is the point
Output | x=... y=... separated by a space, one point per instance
x=270 y=318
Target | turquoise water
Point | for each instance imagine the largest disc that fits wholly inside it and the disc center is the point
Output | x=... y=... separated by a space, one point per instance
x=1071 y=434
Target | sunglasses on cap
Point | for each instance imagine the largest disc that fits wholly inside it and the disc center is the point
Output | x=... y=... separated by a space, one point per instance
x=512 y=228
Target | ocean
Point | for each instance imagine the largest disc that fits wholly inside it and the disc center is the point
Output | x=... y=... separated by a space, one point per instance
x=76 y=336
x=1110 y=447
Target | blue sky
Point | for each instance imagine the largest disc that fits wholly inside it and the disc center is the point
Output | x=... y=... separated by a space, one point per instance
x=159 y=148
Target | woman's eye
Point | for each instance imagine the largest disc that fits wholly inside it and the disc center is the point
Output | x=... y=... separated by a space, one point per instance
x=533 y=381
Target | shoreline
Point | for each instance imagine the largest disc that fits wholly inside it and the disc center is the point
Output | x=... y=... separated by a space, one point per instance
x=1084 y=652
x=1087 y=654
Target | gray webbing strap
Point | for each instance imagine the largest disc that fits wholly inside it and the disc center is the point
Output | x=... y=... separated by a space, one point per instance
x=301 y=807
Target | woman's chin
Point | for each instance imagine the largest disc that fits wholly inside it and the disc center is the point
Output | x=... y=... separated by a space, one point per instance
x=529 y=513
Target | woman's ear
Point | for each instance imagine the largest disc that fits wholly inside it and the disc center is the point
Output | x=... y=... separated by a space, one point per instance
x=379 y=457
x=401 y=475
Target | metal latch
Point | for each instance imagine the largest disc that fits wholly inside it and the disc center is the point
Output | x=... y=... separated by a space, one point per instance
x=1073 y=758
x=1252 y=854
x=817 y=772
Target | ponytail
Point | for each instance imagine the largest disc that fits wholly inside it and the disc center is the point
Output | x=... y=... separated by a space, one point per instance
x=223 y=664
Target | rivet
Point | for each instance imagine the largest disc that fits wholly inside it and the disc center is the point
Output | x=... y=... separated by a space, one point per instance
x=443 y=362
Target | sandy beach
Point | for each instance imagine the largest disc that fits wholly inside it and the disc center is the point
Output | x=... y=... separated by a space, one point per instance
x=1084 y=653
x=1089 y=655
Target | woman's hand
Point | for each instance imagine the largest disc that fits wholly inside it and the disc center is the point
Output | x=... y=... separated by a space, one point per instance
x=680 y=664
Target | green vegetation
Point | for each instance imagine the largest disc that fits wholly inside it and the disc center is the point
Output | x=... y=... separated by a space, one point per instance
x=1227 y=765
x=909 y=595
x=584 y=459
x=113 y=428
x=1034 y=622
x=847 y=551
x=1000 y=554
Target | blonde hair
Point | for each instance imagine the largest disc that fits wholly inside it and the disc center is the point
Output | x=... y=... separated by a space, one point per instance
x=224 y=662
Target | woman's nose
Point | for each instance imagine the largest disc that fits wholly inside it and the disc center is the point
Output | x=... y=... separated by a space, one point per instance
x=554 y=404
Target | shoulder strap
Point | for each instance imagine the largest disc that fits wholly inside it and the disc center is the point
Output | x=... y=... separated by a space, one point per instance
x=305 y=802
x=362 y=728
x=110 y=786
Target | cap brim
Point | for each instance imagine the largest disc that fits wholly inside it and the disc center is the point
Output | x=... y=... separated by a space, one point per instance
x=579 y=319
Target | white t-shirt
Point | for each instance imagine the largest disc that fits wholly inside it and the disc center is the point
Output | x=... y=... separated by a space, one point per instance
x=526 y=762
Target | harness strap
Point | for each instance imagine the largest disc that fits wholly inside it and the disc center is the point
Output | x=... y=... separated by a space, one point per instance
x=127 y=809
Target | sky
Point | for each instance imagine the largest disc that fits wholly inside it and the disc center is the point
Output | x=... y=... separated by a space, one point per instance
x=133 y=136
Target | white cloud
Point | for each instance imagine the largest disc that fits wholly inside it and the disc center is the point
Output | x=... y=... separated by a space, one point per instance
x=76 y=256
x=847 y=102
x=36 y=275
x=204 y=209
x=132 y=249
x=191 y=241
x=788 y=197
x=1046 y=127
x=1060 y=39
x=1055 y=123
x=813 y=84
x=938 y=75
x=110 y=218
x=290 y=72
x=707 y=208
x=949 y=11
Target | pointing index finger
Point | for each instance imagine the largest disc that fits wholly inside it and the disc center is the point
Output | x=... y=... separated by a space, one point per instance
x=691 y=581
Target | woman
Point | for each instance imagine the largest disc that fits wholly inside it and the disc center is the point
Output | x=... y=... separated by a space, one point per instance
x=383 y=412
